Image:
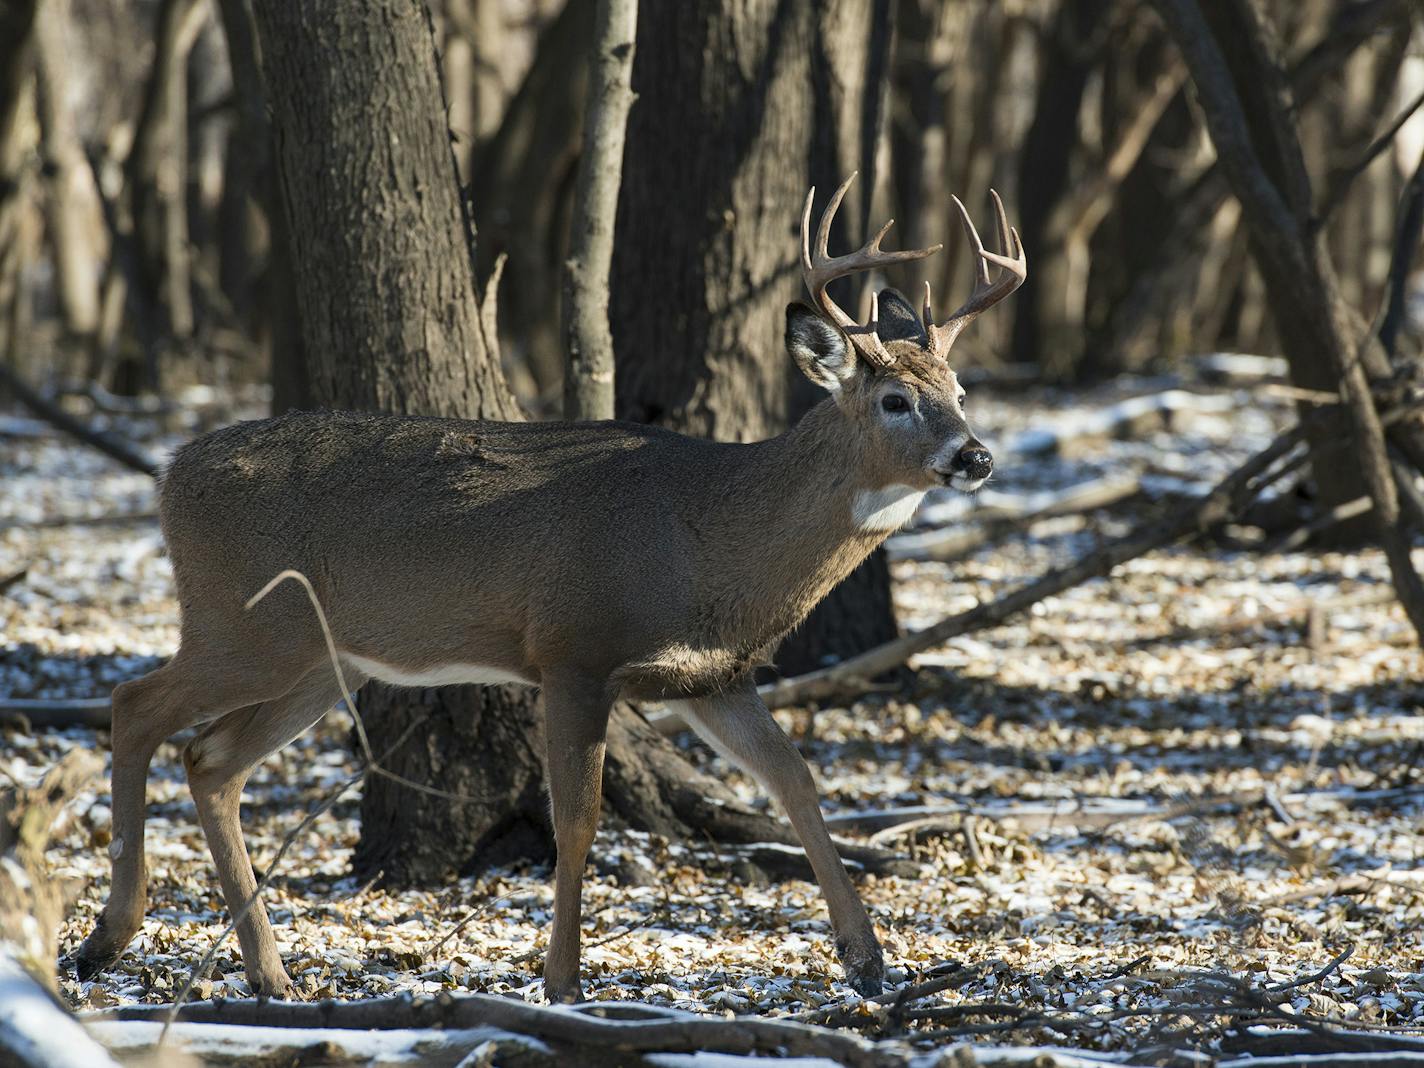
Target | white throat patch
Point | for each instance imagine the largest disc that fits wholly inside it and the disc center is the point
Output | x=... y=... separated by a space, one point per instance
x=886 y=509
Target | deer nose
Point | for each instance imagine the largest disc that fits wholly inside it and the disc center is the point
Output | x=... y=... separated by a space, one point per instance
x=974 y=460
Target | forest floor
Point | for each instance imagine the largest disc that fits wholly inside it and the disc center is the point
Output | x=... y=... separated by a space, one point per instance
x=1184 y=678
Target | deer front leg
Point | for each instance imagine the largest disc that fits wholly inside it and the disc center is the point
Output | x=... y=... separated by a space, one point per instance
x=576 y=725
x=739 y=725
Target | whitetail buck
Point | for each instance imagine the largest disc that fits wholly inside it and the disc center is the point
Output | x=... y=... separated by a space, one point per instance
x=594 y=560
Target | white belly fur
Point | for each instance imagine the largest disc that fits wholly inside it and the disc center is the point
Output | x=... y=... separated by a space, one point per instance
x=441 y=675
x=885 y=509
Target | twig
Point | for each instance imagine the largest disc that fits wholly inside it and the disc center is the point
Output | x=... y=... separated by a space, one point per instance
x=1315 y=977
x=1341 y=186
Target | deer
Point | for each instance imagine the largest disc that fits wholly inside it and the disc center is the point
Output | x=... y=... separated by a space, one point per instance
x=449 y=551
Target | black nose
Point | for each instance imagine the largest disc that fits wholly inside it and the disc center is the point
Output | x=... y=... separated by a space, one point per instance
x=975 y=460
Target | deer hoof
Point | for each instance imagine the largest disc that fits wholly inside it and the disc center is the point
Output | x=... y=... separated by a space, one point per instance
x=864 y=966
x=100 y=952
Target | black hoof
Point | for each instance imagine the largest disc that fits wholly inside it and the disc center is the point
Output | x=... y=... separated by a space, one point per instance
x=864 y=966
x=89 y=965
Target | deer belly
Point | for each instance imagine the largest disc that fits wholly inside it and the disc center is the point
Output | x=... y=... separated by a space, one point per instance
x=434 y=675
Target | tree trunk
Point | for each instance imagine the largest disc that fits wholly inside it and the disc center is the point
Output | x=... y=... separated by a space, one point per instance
x=1042 y=333
x=264 y=297
x=523 y=179
x=386 y=290
x=588 y=380
x=741 y=107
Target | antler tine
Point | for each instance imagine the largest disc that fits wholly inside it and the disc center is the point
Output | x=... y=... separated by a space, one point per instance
x=819 y=269
x=987 y=292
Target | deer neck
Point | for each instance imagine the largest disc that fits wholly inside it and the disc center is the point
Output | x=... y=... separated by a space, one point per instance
x=810 y=510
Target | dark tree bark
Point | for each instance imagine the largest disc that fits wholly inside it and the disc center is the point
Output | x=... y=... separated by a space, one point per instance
x=386 y=290
x=523 y=183
x=742 y=106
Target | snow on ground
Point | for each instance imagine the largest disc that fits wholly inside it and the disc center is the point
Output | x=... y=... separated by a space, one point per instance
x=1153 y=686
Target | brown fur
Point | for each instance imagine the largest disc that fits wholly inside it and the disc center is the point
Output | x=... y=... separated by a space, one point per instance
x=593 y=559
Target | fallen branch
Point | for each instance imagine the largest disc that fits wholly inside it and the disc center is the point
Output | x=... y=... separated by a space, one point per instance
x=1126 y=419
x=670 y=1031
x=58 y=714
x=1096 y=812
x=109 y=444
x=35 y=1029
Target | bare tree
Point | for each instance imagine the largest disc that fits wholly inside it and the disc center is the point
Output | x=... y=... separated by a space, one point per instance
x=588 y=384
x=1233 y=57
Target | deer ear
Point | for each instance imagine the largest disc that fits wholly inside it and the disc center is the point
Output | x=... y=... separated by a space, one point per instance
x=899 y=321
x=818 y=347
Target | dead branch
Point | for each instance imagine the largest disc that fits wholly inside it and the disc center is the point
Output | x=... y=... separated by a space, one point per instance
x=1096 y=812
x=1406 y=244
x=226 y=1046
x=58 y=714
x=953 y=542
x=1341 y=186
x=36 y=1031
x=1133 y=417
x=109 y=444
x=1276 y=201
x=669 y=1031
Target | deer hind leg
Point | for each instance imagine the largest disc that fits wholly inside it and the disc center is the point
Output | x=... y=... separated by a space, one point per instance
x=219 y=761
x=739 y=726
x=146 y=712
x=576 y=726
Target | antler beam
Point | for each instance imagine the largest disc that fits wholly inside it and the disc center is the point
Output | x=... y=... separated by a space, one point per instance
x=819 y=269
x=987 y=291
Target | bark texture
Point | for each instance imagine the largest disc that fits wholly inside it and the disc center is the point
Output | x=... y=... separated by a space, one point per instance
x=588 y=384
x=386 y=292
x=742 y=105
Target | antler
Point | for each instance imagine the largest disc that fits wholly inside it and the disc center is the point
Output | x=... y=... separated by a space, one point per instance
x=819 y=269
x=987 y=292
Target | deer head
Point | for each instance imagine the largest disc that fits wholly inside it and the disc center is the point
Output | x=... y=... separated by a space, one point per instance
x=891 y=376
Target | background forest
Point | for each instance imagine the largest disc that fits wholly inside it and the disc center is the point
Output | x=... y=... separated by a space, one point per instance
x=217 y=209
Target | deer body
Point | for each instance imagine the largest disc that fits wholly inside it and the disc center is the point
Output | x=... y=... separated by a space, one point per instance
x=594 y=560
x=695 y=557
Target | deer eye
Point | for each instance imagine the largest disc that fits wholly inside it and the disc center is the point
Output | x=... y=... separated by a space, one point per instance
x=962 y=398
x=894 y=402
